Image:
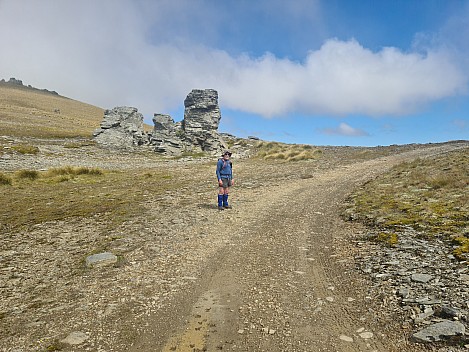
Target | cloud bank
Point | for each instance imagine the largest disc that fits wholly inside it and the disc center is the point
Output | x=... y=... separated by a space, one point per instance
x=112 y=53
x=345 y=130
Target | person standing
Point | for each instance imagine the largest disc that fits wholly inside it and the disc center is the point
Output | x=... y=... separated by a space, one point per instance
x=225 y=179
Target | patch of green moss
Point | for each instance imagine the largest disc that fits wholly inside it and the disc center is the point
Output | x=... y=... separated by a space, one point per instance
x=388 y=238
x=462 y=251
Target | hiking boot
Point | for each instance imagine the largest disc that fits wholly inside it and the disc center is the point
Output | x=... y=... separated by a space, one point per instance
x=221 y=208
x=227 y=206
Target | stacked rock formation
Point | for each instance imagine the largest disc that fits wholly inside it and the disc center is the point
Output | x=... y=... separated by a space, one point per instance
x=201 y=119
x=166 y=136
x=123 y=127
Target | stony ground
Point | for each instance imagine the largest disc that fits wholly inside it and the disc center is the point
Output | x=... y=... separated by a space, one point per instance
x=281 y=271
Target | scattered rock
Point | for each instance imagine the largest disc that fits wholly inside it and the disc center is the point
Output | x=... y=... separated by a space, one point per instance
x=346 y=338
x=423 y=278
x=420 y=299
x=440 y=331
x=101 y=259
x=75 y=338
x=366 y=335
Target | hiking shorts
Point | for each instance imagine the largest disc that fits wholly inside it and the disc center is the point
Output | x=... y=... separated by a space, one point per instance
x=226 y=182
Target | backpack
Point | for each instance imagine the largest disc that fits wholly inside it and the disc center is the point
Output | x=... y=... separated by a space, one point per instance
x=224 y=164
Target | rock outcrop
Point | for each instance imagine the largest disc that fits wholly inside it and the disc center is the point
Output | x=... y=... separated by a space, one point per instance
x=201 y=119
x=19 y=84
x=198 y=132
x=122 y=127
x=166 y=136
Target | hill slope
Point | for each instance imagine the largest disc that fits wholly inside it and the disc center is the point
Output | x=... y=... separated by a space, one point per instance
x=26 y=112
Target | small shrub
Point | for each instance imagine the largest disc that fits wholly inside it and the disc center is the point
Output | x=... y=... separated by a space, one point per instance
x=5 y=180
x=25 y=149
x=29 y=174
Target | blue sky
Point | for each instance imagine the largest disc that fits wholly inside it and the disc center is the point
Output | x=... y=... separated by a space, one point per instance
x=336 y=72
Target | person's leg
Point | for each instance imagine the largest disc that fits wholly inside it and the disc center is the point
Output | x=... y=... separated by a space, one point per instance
x=220 y=198
x=226 y=191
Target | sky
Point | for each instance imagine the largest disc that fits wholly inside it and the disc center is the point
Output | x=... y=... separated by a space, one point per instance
x=320 y=72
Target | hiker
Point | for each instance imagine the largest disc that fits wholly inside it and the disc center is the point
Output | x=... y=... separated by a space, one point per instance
x=225 y=179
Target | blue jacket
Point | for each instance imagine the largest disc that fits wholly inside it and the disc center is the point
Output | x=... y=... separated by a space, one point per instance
x=224 y=169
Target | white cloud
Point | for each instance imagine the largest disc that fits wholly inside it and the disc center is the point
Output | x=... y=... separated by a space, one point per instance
x=345 y=130
x=112 y=53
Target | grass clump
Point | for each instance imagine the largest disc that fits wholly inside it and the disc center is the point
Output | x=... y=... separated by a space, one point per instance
x=431 y=196
x=286 y=152
x=25 y=149
x=27 y=174
x=74 y=171
x=5 y=180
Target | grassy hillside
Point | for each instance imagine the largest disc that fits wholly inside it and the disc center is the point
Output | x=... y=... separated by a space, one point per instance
x=26 y=112
x=430 y=196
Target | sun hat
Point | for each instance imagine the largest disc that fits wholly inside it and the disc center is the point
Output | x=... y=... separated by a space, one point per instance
x=226 y=152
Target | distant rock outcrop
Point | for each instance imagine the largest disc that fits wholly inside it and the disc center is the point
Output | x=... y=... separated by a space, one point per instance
x=198 y=132
x=19 y=83
x=122 y=127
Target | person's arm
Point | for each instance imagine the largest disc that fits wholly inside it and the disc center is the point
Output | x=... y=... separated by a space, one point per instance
x=219 y=165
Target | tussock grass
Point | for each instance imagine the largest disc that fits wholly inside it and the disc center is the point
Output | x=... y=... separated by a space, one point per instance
x=286 y=152
x=25 y=149
x=73 y=171
x=27 y=174
x=5 y=180
x=430 y=196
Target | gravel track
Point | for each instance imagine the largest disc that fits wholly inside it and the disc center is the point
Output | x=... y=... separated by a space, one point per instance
x=275 y=273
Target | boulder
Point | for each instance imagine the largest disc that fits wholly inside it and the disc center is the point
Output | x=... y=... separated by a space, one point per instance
x=166 y=136
x=122 y=127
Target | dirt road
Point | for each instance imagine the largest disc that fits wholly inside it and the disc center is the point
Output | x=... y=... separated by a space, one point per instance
x=284 y=280
x=275 y=273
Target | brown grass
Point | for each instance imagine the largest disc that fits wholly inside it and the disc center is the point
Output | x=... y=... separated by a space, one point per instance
x=29 y=113
x=116 y=196
x=286 y=152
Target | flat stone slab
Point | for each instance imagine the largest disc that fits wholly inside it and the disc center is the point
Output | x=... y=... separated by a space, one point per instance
x=75 y=338
x=101 y=259
x=440 y=331
x=423 y=278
